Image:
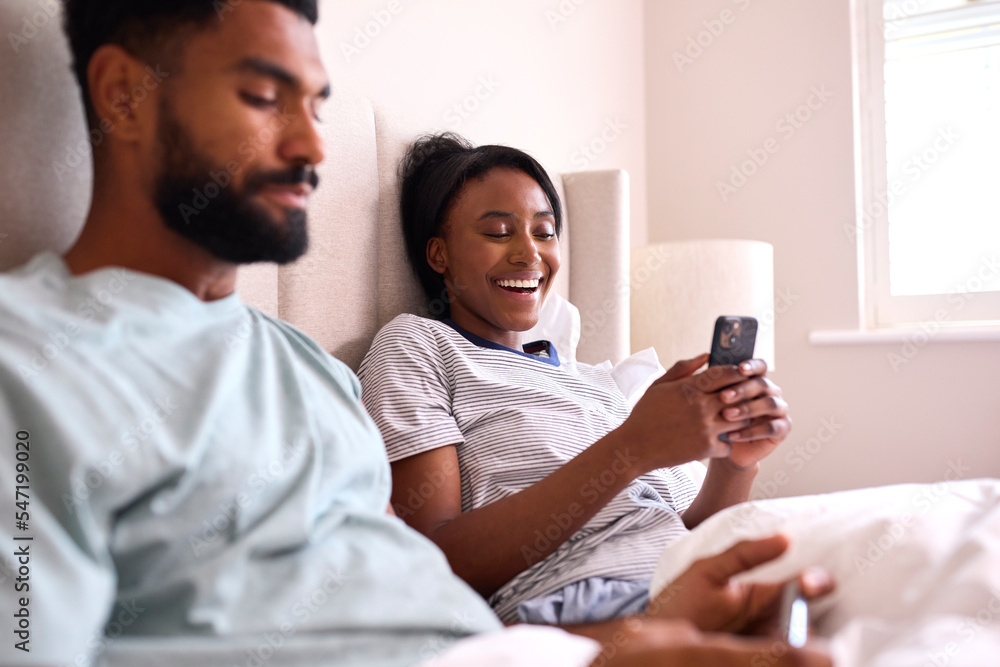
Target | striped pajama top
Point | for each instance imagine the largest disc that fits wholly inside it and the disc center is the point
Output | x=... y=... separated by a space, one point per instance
x=514 y=418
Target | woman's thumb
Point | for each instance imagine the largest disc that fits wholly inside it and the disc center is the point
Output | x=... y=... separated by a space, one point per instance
x=685 y=367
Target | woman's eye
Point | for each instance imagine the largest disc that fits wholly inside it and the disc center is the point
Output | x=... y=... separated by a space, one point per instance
x=545 y=236
x=501 y=235
x=257 y=101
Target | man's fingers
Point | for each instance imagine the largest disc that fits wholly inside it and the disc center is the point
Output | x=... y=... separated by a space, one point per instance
x=726 y=650
x=815 y=582
x=743 y=556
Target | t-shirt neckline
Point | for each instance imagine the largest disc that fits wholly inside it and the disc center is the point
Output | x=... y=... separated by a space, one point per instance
x=144 y=290
x=552 y=359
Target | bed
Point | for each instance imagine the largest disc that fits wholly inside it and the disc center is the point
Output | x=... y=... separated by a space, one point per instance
x=919 y=586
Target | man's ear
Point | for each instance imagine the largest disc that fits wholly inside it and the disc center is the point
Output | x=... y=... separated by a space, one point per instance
x=437 y=254
x=119 y=91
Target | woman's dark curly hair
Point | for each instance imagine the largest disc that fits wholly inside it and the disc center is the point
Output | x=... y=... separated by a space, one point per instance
x=433 y=172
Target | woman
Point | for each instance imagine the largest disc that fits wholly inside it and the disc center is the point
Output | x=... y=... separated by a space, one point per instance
x=546 y=494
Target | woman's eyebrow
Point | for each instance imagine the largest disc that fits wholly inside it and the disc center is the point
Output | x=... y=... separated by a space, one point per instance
x=505 y=214
x=496 y=214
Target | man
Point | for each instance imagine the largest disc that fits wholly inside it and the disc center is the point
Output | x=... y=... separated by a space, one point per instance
x=197 y=482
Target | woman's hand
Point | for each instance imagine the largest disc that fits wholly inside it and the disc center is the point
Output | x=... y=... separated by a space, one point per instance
x=706 y=595
x=756 y=405
x=689 y=411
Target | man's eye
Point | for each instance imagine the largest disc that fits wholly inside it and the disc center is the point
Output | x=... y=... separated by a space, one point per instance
x=257 y=101
x=317 y=113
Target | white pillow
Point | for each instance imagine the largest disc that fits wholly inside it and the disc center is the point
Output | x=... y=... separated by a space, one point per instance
x=915 y=565
x=558 y=323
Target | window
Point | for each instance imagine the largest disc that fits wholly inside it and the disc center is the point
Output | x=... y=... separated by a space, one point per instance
x=927 y=110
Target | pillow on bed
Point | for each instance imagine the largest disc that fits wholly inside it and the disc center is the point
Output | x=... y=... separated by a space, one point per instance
x=915 y=564
x=558 y=323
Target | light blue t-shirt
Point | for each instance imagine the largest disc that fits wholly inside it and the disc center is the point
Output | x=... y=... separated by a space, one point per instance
x=199 y=483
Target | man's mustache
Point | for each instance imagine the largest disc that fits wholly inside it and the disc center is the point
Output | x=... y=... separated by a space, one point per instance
x=293 y=176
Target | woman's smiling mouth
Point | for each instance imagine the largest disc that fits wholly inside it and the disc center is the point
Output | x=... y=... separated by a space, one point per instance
x=528 y=286
x=520 y=286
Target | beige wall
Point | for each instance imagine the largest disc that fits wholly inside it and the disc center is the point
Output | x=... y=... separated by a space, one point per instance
x=547 y=76
x=704 y=115
x=857 y=421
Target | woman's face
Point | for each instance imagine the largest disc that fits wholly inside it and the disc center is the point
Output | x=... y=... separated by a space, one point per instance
x=498 y=254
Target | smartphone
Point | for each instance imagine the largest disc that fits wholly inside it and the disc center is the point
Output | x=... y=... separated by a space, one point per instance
x=733 y=340
x=793 y=619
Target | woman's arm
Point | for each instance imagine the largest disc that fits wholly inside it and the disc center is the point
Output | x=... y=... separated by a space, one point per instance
x=725 y=485
x=677 y=420
x=489 y=546
x=758 y=407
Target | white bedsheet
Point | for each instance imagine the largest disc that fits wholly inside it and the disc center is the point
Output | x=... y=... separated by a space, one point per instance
x=917 y=566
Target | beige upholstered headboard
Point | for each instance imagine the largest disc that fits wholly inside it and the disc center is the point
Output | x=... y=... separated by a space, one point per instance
x=355 y=277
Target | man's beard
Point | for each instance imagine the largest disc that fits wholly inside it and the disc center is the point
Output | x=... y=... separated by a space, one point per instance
x=199 y=201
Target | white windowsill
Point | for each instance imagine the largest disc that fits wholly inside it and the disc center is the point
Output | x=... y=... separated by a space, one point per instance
x=942 y=334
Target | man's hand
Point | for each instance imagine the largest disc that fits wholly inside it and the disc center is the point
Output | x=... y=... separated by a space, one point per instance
x=706 y=595
x=655 y=642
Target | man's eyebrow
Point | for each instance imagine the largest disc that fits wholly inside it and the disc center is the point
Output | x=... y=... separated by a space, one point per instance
x=263 y=67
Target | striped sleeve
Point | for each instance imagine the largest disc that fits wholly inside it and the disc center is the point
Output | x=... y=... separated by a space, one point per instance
x=406 y=389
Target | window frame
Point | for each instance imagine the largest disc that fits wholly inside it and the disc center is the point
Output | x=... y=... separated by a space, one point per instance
x=877 y=308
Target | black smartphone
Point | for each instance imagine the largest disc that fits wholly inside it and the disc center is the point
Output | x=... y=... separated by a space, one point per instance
x=793 y=619
x=733 y=340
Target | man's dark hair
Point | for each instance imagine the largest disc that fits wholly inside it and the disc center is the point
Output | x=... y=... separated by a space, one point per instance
x=433 y=172
x=145 y=28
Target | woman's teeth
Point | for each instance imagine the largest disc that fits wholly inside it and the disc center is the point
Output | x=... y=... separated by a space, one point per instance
x=524 y=284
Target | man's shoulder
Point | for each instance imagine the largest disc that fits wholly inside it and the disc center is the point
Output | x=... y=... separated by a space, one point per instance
x=22 y=294
x=303 y=343
x=18 y=283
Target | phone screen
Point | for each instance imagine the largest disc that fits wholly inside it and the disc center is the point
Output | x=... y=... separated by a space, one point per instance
x=794 y=616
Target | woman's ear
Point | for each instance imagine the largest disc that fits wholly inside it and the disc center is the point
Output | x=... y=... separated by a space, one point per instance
x=437 y=254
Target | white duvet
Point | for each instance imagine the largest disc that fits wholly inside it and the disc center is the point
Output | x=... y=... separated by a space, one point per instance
x=917 y=567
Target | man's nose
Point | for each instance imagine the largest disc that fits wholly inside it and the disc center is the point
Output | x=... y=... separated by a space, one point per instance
x=302 y=142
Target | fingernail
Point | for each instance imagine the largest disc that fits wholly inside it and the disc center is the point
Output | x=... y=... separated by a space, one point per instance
x=816 y=577
x=731 y=413
x=728 y=395
x=734 y=436
x=746 y=366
